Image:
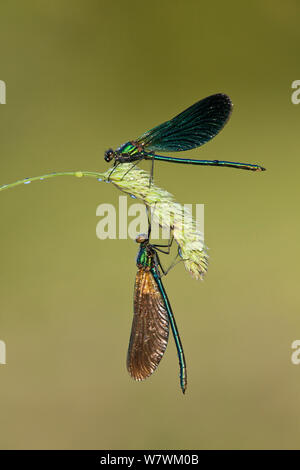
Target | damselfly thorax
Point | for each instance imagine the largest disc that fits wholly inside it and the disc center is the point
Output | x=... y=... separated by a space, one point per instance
x=126 y=153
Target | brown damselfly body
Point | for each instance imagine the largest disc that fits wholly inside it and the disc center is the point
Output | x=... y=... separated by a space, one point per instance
x=153 y=315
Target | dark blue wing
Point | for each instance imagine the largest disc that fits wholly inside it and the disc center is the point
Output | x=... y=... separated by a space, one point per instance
x=190 y=129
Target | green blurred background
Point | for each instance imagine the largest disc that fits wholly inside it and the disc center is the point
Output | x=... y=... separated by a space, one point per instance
x=83 y=76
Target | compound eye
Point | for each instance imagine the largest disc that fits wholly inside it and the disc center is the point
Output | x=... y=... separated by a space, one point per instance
x=141 y=238
x=109 y=155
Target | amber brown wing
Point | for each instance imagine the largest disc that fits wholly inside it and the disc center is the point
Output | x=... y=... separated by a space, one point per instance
x=150 y=327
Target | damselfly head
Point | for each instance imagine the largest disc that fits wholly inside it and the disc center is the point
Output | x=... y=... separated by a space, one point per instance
x=142 y=238
x=109 y=155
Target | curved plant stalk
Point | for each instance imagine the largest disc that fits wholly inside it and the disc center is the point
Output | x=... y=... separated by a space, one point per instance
x=168 y=213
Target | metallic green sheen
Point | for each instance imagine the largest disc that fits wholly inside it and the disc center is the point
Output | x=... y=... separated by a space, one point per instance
x=143 y=258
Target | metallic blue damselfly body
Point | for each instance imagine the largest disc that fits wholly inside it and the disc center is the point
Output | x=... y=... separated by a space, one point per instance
x=190 y=129
x=152 y=317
